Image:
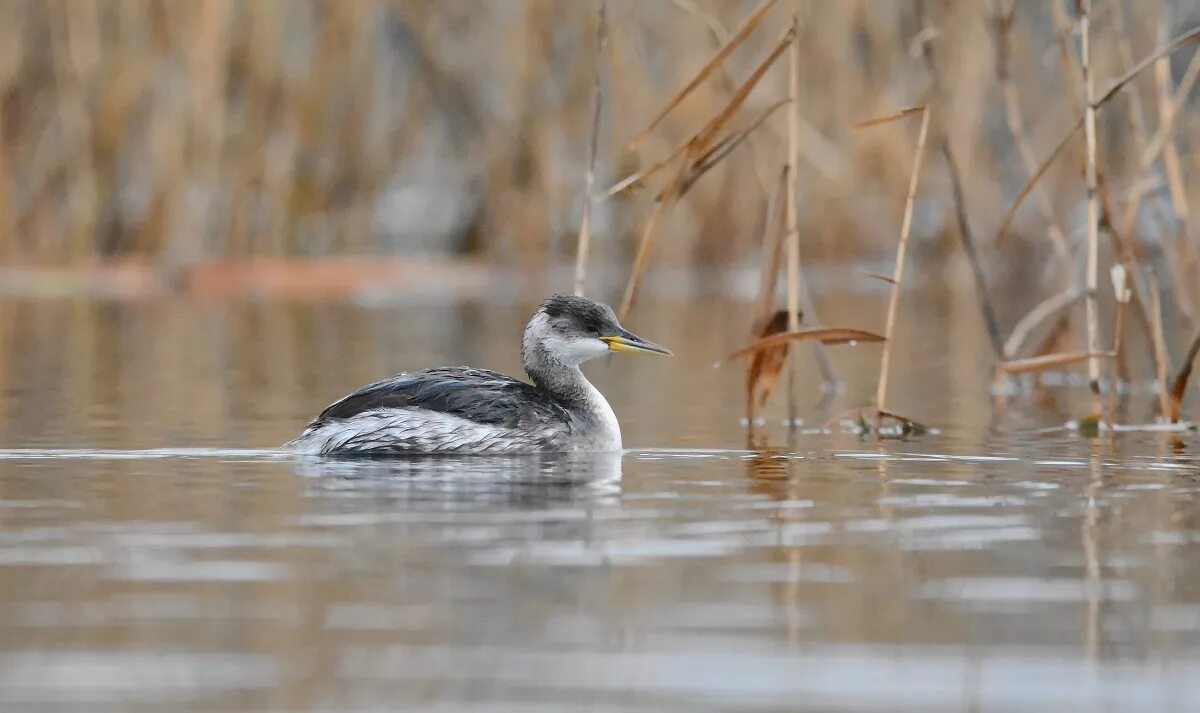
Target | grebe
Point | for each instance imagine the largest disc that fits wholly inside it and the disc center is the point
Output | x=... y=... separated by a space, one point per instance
x=465 y=410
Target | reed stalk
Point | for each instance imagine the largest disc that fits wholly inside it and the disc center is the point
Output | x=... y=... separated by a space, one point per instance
x=960 y=208
x=1093 y=202
x=965 y=235
x=1042 y=313
x=1160 y=348
x=1123 y=294
x=585 y=221
x=898 y=272
x=1179 y=385
x=1002 y=20
x=792 y=211
x=747 y=27
x=1170 y=106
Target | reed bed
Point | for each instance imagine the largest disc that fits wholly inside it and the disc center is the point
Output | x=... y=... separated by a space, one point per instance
x=177 y=133
x=223 y=129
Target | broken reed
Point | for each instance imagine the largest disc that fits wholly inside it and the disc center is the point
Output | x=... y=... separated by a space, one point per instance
x=897 y=280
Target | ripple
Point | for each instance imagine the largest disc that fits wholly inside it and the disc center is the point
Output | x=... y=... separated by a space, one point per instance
x=1027 y=589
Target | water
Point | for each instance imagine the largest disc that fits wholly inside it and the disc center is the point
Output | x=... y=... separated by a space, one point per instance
x=157 y=553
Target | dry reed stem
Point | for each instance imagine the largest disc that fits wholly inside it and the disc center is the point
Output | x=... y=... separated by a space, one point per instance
x=1179 y=41
x=704 y=137
x=826 y=335
x=726 y=146
x=763 y=170
x=1170 y=103
x=889 y=118
x=960 y=208
x=764 y=367
x=792 y=210
x=898 y=273
x=877 y=276
x=585 y=222
x=1151 y=149
x=772 y=243
x=1171 y=106
x=661 y=207
x=1042 y=313
x=968 y=243
x=748 y=25
x=1160 y=348
x=1122 y=293
x=1049 y=361
x=1128 y=258
x=1161 y=145
x=701 y=141
x=1093 y=201
x=1014 y=118
x=692 y=149
x=1181 y=380
x=1121 y=239
x=799 y=299
x=633 y=180
x=1064 y=28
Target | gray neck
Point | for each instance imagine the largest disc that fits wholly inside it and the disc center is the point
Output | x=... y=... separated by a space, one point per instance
x=550 y=370
x=565 y=383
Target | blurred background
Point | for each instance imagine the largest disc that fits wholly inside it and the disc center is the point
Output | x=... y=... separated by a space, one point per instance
x=217 y=216
x=147 y=144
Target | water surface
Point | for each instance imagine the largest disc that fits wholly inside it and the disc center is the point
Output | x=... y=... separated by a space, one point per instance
x=156 y=551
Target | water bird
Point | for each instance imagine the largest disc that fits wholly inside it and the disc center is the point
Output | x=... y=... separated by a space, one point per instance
x=465 y=410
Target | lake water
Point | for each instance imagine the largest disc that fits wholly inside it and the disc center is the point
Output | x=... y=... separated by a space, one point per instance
x=156 y=553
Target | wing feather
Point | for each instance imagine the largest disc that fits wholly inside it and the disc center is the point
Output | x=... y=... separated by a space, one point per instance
x=478 y=395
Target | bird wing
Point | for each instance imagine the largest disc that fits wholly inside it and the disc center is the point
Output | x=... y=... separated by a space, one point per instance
x=478 y=395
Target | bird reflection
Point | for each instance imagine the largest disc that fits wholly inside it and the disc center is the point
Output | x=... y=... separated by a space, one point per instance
x=527 y=480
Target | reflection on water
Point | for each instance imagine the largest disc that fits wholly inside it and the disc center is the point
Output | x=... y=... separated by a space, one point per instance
x=156 y=552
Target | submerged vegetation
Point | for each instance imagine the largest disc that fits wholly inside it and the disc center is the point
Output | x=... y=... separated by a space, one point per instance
x=1029 y=146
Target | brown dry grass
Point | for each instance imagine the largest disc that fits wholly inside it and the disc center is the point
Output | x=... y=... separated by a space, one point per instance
x=187 y=130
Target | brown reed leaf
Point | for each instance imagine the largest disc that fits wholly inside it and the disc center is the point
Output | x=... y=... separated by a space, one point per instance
x=1041 y=314
x=748 y=26
x=698 y=142
x=762 y=372
x=825 y=335
x=627 y=184
x=772 y=253
x=877 y=276
x=642 y=258
x=888 y=118
x=1181 y=380
x=908 y=426
x=704 y=137
x=1049 y=361
x=725 y=146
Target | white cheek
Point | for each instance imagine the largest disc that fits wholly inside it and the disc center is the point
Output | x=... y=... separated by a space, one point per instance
x=576 y=351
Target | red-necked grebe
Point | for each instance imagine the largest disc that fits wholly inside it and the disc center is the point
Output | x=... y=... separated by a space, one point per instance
x=465 y=410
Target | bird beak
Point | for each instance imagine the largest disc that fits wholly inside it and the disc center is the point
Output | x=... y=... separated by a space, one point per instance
x=629 y=342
